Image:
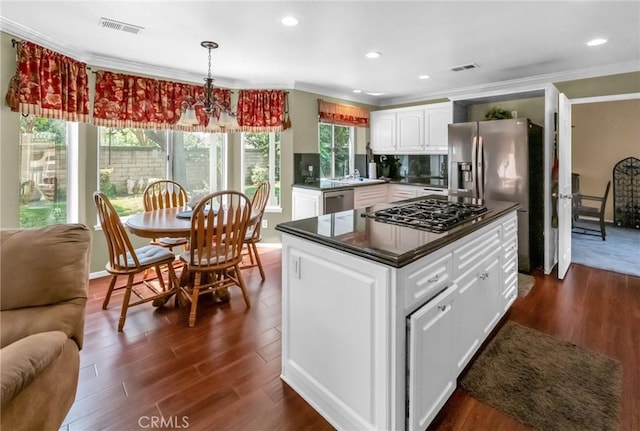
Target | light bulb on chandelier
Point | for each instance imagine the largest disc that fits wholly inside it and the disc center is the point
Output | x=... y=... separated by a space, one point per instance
x=219 y=115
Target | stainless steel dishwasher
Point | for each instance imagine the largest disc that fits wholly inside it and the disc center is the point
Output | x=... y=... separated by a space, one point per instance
x=337 y=200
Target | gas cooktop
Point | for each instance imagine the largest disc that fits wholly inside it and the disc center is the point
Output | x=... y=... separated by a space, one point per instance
x=433 y=215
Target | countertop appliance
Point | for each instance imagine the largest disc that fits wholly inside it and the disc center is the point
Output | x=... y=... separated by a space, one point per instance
x=503 y=160
x=336 y=201
x=433 y=215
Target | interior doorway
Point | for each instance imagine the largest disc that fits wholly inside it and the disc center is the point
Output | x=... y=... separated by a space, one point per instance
x=605 y=130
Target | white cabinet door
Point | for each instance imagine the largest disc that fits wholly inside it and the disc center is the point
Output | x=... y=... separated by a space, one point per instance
x=305 y=203
x=431 y=377
x=492 y=282
x=437 y=120
x=410 y=131
x=383 y=132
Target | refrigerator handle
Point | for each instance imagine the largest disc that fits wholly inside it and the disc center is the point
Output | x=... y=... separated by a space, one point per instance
x=480 y=168
x=474 y=165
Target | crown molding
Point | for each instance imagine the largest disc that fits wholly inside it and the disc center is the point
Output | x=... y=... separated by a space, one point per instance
x=112 y=63
x=329 y=92
x=538 y=81
x=23 y=32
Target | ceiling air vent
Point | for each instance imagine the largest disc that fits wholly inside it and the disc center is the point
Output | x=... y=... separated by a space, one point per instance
x=464 y=67
x=117 y=25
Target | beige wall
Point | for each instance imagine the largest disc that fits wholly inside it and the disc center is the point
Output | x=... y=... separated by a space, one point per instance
x=603 y=134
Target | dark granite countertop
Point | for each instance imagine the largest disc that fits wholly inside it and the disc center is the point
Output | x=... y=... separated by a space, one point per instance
x=336 y=185
x=386 y=243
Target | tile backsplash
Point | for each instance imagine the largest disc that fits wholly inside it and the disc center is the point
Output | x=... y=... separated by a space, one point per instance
x=424 y=169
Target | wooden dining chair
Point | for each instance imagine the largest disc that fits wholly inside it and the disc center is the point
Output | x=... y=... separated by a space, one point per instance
x=218 y=227
x=253 y=236
x=125 y=260
x=581 y=209
x=165 y=194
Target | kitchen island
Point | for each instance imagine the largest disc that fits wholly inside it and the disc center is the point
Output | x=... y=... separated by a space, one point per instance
x=379 y=320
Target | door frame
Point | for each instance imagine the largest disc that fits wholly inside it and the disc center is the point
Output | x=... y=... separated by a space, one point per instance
x=583 y=100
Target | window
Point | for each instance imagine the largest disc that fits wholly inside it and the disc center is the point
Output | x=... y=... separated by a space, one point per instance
x=336 y=150
x=48 y=172
x=130 y=159
x=260 y=162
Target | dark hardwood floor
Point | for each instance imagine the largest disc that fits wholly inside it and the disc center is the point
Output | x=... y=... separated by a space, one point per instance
x=223 y=374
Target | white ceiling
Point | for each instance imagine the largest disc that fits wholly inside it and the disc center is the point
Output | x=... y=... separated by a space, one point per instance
x=511 y=42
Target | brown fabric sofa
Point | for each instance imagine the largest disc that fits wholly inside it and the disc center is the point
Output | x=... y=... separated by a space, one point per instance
x=43 y=292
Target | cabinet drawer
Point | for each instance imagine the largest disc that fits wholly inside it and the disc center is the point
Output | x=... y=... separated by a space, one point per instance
x=510 y=228
x=370 y=195
x=426 y=282
x=510 y=249
x=510 y=295
x=510 y=271
x=475 y=250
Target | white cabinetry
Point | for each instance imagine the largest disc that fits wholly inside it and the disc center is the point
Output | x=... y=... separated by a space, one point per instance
x=383 y=132
x=430 y=331
x=400 y=192
x=419 y=129
x=365 y=196
x=305 y=203
x=411 y=130
x=437 y=120
x=426 y=190
x=389 y=352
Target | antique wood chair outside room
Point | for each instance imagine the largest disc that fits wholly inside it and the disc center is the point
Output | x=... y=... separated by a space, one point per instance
x=258 y=204
x=124 y=260
x=218 y=228
x=597 y=212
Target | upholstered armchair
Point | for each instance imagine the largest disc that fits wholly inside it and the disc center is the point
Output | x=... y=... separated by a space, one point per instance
x=43 y=292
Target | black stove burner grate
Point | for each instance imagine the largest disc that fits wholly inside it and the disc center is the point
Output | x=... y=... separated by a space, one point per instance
x=433 y=215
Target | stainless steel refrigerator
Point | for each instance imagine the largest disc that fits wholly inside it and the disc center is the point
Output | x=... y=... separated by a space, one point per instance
x=503 y=160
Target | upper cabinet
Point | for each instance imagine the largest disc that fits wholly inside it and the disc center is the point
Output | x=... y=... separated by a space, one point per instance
x=383 y=132
x=412 y=130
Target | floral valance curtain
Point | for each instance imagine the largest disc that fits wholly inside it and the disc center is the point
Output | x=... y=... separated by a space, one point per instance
x=262 y=110
x=49 y=85
x=343 y=115
x=123 y=100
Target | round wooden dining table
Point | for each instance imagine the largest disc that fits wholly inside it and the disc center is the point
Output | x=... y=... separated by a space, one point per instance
x=160 y=223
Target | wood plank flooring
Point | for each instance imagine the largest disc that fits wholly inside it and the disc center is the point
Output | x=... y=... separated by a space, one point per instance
x=223 y=374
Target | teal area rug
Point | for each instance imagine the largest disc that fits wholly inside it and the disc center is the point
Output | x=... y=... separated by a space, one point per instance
x=619 y=253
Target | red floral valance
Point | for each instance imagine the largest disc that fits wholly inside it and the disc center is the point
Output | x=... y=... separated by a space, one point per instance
x=344 y=115
x=49 y=85
x=123 y=100
x=261 y=110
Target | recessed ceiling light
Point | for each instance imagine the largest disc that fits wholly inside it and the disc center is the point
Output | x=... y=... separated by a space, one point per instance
x=289 y=21
x=357 y=91
x=375 y=94
x=596 y=42
x=423 y=77
x=372 y=54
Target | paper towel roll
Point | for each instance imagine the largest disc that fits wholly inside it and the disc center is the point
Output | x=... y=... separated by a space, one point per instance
x=372 y=171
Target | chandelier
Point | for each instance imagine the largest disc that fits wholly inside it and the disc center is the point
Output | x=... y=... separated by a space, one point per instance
x=208 y=102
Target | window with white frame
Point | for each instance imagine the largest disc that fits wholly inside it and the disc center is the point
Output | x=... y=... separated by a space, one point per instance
x=130 y=159
x=48 y=172
x=260 y=162
x=336 y=147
